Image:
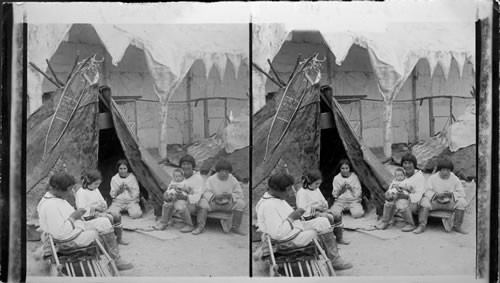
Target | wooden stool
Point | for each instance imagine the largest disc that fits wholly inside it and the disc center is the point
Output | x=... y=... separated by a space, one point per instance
x=226 y=219
x=447 y=216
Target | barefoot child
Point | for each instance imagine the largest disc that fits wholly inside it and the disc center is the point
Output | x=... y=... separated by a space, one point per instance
x=89 y=198
x=310 y=199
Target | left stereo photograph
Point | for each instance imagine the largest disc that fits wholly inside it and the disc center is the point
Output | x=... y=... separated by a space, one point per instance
x=137 y=154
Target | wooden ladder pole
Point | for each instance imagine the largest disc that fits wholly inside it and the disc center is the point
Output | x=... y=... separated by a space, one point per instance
x=45 y=75
x=53 y=73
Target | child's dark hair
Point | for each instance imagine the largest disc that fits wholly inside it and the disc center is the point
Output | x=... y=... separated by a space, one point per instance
x=444 y=163
x=90 y=177
x=280 y=182
x=187 y=158
x=310 y=177
x=399 y=169
x=345 y=161
x=178 y=170
x=223 y=165
x=122 y=162
x=62 y=181
x=409 y=157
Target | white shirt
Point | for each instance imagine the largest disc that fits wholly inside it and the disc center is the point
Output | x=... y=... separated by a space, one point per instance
x=86 y=199
x=348 y=195
x=272 y=214
x=195 y=182
x=417 y=184
x=307 y=199
x=54 y=218
x=125 y=196
x=436 y=184
x=214 y=186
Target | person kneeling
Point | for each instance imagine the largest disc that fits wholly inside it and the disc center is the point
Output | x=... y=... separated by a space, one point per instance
x=278 y=219
x=222 y=192
x=59 y=219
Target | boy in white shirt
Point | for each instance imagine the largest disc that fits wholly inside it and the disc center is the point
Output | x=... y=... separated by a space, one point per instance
x=222 y=192
x=444 y=191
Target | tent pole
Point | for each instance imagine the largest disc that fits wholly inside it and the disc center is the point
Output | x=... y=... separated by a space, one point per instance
x=413 y=131
x=189 y=120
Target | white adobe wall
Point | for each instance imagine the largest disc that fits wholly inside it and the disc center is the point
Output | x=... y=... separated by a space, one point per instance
x=355 y=77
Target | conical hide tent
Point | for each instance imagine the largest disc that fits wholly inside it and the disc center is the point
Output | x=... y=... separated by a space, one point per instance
x=75 y=152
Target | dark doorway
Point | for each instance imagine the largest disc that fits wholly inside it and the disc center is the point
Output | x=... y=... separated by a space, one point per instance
x=331 y=148
x=110 y=151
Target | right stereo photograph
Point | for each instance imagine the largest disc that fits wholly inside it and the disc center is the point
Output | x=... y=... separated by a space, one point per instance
x=364 y=155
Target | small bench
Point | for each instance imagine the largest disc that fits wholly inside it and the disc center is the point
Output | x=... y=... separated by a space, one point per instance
x=447 y=217
x=225 y=217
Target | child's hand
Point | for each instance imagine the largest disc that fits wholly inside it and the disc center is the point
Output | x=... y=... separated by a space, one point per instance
x=77 y=214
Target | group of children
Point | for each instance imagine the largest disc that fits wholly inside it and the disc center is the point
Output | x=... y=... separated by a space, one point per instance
x=221 y=191
x=347 y=194
x=346 y=189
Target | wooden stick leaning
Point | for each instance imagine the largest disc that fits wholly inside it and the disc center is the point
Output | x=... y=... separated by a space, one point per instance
x=45 y=75
x=267 y=75
x=275 y=73
x=53 y=73
x=72 y=69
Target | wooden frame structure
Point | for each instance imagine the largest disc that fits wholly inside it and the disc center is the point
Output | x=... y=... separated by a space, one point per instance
x=91 y=261
x=309 y=261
